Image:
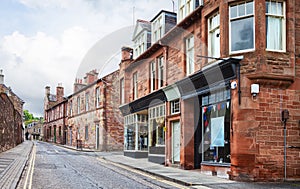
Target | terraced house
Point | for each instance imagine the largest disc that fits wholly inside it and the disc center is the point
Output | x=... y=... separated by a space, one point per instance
x=93 y=115
x=219 y=91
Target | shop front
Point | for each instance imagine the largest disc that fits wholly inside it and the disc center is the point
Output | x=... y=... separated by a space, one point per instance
x=206 y=117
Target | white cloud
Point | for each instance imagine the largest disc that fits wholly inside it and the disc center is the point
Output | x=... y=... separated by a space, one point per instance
x=53 y=38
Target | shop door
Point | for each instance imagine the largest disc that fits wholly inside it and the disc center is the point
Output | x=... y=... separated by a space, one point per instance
x=176 y=141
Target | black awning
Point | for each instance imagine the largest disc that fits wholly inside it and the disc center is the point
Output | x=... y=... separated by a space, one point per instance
x=216 y=76
x=152 y=99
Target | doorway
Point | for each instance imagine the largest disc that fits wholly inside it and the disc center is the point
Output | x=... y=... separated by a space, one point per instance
x=175 y=141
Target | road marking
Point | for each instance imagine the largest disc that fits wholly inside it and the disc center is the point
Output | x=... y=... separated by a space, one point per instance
x=30 y=169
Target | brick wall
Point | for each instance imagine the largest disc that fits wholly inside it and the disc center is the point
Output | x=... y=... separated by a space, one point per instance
x=10 y=124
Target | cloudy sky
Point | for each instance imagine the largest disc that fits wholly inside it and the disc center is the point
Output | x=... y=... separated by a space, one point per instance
x=45 y=42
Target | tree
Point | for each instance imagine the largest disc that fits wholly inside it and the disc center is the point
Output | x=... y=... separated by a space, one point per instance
x=28 y=116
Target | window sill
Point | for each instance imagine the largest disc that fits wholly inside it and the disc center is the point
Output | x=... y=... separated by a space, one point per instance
x=216 y=164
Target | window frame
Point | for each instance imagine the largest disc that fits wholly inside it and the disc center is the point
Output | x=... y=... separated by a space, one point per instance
x=97 y=96
x=160 y=63
x=152 y=76
x=122 y=91
x=135 y=85
x=78 y=105
x=241 y=18
x=211 y=31
x=283 y=25
x=87 y=100
x=189 y=50
x=173 y=109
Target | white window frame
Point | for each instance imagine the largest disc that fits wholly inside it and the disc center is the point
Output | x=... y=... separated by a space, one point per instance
x=158 y=28
x=135 y=85
x=213 y=40
x=152 y=75
x=97 y=97
x=173 y=106
x=241 y=18
x=160 y=62
x=78 y=105
x=87 y=99
x=283 y=25
x=190 y=53
x=122 y=91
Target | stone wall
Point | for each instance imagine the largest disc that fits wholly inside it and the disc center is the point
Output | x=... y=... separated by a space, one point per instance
x=10 y=124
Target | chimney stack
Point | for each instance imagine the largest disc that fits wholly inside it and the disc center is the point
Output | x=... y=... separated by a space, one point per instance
x=47 y=90
x=127 y=53
x=1 y=77
x=60 y=92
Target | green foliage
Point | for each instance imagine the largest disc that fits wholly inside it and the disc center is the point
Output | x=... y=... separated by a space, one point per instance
x=29 y=118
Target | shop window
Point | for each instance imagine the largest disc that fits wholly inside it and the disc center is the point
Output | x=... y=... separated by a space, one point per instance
x=175 y=106
x=242 y=27
x=136 y=132
x=157 y=126
x=216 y=110
x=275 y=25
x=214 y=36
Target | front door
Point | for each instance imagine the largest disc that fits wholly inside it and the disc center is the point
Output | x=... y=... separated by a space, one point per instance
x=71 y=137
x=97 y=137
x=175 y=141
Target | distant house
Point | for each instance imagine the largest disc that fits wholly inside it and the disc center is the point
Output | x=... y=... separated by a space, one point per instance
x=55 y=117
x=35 y=129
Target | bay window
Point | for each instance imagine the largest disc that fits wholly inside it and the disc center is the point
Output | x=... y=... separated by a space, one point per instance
x=275 y=25
x=242 y=27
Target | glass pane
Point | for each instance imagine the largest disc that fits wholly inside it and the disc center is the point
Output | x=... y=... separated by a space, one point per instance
x=249 y=8
x=280 y=8
x=274 y=33
x=242 y=36
x=267 y=6
x=273 y=8
x=233 y=11
x=241 y=9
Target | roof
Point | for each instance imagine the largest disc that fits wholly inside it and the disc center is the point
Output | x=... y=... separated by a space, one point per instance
x=141 y=25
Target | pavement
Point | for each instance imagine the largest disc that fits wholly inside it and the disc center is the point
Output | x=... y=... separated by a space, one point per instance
x=13 y=161
x=12 y=164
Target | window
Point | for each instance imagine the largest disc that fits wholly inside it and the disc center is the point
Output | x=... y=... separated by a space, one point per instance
x=86 y=132
x=275 y=25
x=242 y=27
x=122 y=91
x=78 y=105
x=157 y=126
x=97 y=97
x=215 y=147
x=157 y=28
x=71 y=108
x=160 y=71
x=59 y=131
x=214 y=36
x=190 y=55
x=152 y=76
x=175 y=106
x=87 y=101
x=135 y=86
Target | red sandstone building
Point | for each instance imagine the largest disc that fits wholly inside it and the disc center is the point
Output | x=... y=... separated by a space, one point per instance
x=55 y=118
x=93 y=114
x=209 y=94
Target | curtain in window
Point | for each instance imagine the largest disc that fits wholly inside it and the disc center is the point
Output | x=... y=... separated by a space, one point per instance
x=274 y=33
